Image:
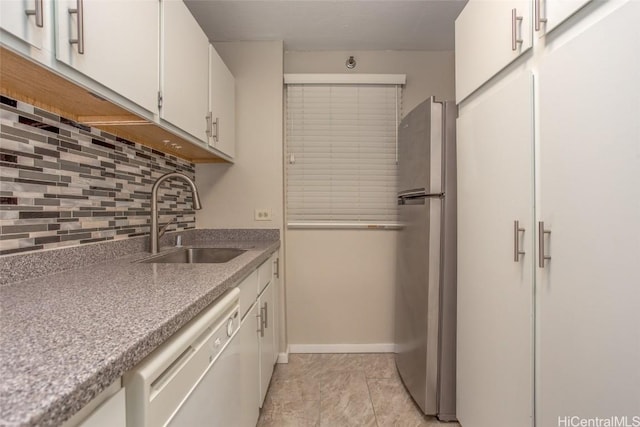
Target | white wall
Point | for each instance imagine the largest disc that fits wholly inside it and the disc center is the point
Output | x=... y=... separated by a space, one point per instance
x=340 y=283
x=340 y=286
x=231 y=193
x=428 y=73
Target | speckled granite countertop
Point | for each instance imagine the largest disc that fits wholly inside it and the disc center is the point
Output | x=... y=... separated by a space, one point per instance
x=65 y=337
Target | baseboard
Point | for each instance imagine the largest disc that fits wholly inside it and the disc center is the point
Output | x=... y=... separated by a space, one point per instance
x=283 y=357
x=342 y=348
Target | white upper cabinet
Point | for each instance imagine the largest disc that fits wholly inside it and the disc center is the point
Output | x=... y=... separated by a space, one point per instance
x=551 y=13
x=222 y=104
x=490 y=34
x=114 y=43
x=29 y=20
x=185 y=70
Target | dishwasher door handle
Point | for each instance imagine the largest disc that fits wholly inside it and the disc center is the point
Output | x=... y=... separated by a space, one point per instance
x=158 y=384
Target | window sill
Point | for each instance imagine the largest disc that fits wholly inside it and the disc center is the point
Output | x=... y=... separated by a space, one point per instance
x=341 y=226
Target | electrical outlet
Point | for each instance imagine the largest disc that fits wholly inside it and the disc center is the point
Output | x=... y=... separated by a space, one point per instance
x=262 y=215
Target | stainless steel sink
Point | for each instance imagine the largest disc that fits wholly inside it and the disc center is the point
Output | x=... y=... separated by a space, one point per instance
x=196 y=255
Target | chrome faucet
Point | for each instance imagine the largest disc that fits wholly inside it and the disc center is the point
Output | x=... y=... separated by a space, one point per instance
x=154 y=233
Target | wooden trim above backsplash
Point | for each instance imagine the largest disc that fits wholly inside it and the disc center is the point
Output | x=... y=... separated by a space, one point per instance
x=27 y=81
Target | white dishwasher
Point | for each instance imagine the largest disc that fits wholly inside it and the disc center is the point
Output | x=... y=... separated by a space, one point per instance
x=192 y=379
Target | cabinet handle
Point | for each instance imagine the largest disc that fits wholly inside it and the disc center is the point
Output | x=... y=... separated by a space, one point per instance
x=541 y=251
x=277 y=272
x=260 y=323
x=209 y=129
x=265 y=313
x=515 y=19
x=37 y=12
x=217 y=125
x=539 y=20
x=79 y=11
x=516 y=241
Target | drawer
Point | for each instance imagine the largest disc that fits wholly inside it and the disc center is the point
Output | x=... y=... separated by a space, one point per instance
x=265 y=272
x=248 y=292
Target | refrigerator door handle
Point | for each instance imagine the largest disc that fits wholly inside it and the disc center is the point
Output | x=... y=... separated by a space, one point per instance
x=417 y=194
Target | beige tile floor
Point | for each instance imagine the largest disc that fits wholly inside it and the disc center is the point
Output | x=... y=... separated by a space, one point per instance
x=340 y=390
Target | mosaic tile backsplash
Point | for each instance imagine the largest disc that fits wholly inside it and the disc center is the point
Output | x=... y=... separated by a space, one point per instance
x=66 y=184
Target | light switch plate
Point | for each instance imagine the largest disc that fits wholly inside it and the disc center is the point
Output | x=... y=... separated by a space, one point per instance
x=262 y=215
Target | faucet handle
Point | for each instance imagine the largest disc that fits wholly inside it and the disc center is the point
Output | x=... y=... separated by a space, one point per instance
x=163 y=229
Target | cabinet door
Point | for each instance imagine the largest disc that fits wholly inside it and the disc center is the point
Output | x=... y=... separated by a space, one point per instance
x=248 y=292
x=487 y=40
x=120 y=45
x=495 y=293
x=222 y=103
x=557 y=11
x=111 y=413
x=14 y=19
x=185 y=70
x=588 y=317
x=267 y=347
x=249 y=372
x=275 y=282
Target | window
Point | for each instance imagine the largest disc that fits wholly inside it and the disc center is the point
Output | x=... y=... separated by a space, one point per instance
x=341 y=154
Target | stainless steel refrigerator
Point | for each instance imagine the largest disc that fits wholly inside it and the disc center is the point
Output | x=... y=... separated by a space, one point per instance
x=426 y=265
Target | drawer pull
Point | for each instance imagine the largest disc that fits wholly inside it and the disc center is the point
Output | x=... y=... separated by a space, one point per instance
x=515 y=20
x=516 y=241
x=538 y=18
x=37 y=12
x=541 y=252
x=79 y=11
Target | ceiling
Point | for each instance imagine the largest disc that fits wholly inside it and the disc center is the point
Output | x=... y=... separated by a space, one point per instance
x=332 y=24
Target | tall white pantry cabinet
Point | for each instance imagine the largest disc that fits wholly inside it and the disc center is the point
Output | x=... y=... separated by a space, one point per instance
x=549 y=317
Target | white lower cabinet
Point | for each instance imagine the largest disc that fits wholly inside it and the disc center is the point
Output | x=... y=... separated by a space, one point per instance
x=105 y=410
x=266 y=338
x=277 y=305
x=249 y=368
x=258 y=336
x=110 y=414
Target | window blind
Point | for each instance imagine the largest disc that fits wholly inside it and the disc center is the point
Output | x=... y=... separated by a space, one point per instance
x=341 y=154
